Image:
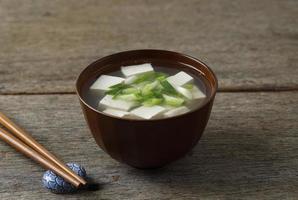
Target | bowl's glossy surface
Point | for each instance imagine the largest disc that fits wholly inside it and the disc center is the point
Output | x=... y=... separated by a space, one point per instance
x=147 y=143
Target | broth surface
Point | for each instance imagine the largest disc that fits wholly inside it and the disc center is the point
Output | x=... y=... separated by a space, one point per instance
x=93 y=99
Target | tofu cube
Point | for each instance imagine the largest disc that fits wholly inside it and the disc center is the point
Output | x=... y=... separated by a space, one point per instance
x=136 y=69
x=197 y=93
x=130 y=80
x=185 y=92
x=108 y=101
x=176 y=111
x=117 y=113
x=106 y=81
x=179 y=79
x=148 y=112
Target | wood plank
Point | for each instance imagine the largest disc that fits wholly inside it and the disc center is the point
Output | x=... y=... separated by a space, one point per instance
x=249 y=44
x=249 y=151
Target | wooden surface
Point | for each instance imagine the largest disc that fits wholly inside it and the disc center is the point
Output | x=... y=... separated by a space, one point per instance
x=249 y=150
x=250 y=147
x=249 y=44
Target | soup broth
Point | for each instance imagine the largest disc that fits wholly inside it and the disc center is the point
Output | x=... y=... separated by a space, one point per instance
x=187 y=97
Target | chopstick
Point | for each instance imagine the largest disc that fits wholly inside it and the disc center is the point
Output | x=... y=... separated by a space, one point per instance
x=49 y=160
x=23 y=148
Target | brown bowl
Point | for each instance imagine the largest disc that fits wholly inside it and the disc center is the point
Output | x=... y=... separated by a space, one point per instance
x=147 y=143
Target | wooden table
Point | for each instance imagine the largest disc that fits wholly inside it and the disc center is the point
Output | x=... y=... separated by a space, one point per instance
x=250 y=147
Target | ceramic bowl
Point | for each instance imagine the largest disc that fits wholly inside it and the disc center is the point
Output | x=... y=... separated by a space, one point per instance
x=147 y=143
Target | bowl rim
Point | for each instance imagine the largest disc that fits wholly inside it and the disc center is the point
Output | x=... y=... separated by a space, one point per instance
x=213 y=92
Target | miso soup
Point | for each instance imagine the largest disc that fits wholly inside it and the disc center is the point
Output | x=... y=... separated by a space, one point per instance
x=147 y=92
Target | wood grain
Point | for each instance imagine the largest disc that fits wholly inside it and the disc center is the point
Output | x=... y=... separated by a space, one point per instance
x=249 y=44
x=249 y=151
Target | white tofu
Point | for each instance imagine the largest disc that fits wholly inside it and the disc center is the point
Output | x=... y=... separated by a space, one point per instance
x=117 y=113
x=176 y=111
x=130 y=80
x=106 y=81
x=136 y=69
x=185 y=92
x=148 y=112
x=108 y=101
x=179 y=79
x=197 y=93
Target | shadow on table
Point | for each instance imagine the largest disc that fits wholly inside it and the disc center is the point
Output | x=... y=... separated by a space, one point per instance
x=223 y=162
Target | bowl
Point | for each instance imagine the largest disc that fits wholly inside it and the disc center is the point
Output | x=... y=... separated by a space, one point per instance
x=147 y=143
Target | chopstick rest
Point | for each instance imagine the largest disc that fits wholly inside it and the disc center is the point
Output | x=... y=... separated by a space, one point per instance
x=57 y=184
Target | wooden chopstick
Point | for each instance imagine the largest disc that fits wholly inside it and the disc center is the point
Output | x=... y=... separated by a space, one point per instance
x=23 y=148
x=28 y=140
